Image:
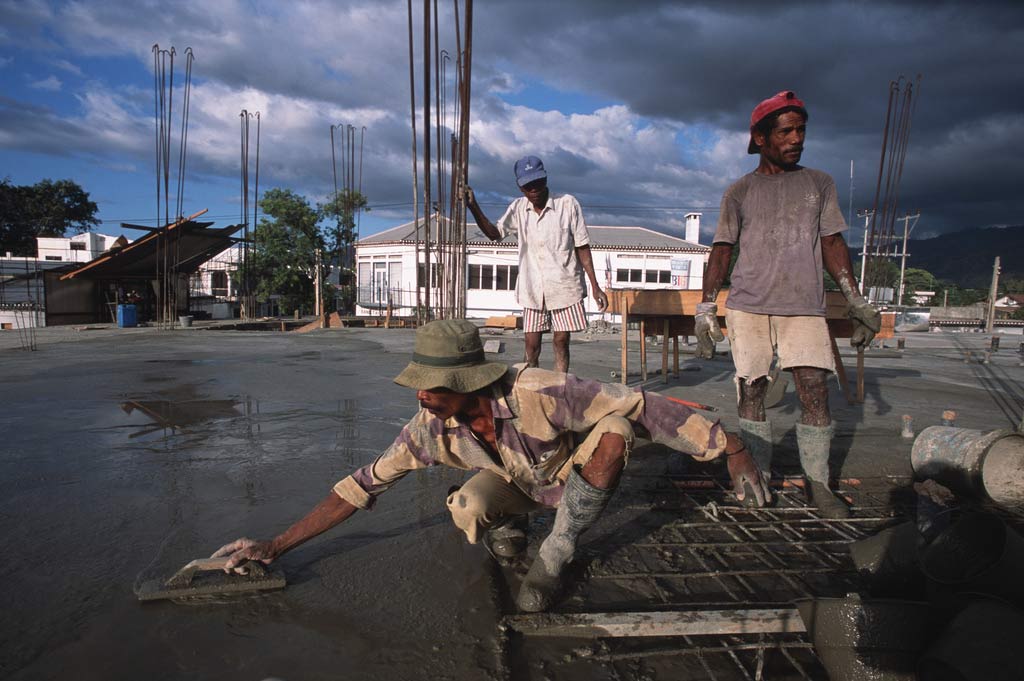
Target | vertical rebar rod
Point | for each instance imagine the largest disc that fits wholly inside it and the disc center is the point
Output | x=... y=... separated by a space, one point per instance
x=415 y=174
x=426 y=149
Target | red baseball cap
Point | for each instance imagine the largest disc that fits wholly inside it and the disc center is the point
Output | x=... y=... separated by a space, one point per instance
x=781 y=100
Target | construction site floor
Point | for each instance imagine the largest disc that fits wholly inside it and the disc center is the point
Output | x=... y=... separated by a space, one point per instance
x=128 y=452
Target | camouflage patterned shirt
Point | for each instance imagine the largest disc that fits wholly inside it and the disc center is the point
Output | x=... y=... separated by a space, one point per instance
x=537 y=414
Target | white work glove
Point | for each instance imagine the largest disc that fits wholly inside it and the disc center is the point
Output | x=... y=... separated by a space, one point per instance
x=867 y=321
x=706 y=329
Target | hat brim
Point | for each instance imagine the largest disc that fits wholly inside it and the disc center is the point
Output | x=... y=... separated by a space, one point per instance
x=751 y=147
x=457 y=379
x=531 y=176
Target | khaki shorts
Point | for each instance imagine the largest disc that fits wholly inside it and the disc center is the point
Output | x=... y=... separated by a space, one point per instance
x=798 y=341
x=487 y=498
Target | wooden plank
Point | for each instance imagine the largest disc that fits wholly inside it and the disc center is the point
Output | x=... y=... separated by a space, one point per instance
x=644 y=624
x=643 y=349
x=675 y=355
x=664 y=352
x=841 y=371
x=624 y=363
x=860 y=375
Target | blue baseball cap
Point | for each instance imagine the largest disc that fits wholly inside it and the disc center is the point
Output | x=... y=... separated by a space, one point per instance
x=528 y=169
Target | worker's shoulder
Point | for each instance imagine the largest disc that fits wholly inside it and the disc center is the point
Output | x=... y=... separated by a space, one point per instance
x=819 y=177
x=536 y=379
x=738 y=189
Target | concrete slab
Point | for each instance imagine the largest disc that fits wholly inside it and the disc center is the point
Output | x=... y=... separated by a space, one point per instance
x=128 y=452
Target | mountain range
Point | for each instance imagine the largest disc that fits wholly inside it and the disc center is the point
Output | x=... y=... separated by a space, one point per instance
x=965 y=257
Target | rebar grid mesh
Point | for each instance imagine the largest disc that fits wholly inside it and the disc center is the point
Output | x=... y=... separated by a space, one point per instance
x=693 y=546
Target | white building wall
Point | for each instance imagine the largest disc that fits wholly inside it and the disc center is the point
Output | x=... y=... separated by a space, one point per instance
x=78 y=248
x=376 y=266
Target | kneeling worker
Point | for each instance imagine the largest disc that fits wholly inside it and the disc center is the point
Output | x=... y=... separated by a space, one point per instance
x=518 y=428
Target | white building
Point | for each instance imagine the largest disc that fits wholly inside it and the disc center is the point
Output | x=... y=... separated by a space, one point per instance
x=213 y=289
x=79 y=248
x=624 y=257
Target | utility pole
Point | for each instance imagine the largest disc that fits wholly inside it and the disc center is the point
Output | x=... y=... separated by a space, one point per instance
x=990 y=318
x=903 y=260
x=866 y=214
x=849 y=210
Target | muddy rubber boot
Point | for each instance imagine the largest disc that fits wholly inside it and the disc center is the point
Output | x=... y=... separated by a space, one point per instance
x=757 y=436
x=581 y=505
x=506 y=541
x=814 y=443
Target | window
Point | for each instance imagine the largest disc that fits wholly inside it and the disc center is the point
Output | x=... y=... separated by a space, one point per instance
x=658 y=276
x=636 y=275
x=664 y=276
x=53 y=257
x=421 y=274
x=487 y=277
x=219 y=283
x=474 y=276
x=621 y=275
x=77 y=246
x=513 y=277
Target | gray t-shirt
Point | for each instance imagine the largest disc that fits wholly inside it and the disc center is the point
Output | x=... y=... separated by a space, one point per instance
x=778 y=221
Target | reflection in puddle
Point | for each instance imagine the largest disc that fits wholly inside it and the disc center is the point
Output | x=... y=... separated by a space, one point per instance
x=168 y=415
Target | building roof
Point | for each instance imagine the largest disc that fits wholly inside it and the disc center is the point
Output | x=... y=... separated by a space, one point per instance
x=601 y=237
x=191 y=243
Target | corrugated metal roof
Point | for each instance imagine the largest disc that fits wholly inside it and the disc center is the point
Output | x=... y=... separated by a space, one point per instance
x=617 y=238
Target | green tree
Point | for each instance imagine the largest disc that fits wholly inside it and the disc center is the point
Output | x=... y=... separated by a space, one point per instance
x=283 y=261
x=340 y=213
x=47 y=208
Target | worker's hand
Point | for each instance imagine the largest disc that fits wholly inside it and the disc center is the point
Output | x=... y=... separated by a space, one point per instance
x=601 y=299
x=706 y=329
x=744 y=471
x=867 y=321
x=470 y=197
x=244 y=550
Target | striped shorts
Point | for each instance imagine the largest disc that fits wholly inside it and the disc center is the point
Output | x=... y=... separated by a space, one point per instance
x=572 y=318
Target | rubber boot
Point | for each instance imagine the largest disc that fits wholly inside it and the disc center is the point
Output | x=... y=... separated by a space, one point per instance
x=757 y=436
x=582 y=504
x=814 y=443
x=506 y=541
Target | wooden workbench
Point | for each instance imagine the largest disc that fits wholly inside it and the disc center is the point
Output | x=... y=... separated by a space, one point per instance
x=671 y=313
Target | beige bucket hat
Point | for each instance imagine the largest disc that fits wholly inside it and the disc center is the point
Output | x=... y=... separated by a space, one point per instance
x=448 y=354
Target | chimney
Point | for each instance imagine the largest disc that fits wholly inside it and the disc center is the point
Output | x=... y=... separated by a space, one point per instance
x=692 y=232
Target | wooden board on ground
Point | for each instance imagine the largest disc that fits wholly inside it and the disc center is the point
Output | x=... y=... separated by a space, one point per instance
x=507 y=322
x=639 y=624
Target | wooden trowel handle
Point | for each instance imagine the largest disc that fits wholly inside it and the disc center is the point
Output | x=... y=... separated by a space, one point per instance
x=184 y=576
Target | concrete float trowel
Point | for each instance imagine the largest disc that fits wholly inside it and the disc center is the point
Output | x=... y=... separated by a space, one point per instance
x=206 y=577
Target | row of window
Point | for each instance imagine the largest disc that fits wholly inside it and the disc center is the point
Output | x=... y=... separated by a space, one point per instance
x=493 y=277
x=648 y=276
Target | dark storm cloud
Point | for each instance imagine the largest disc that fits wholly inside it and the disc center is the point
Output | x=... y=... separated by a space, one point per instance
x=715 y=61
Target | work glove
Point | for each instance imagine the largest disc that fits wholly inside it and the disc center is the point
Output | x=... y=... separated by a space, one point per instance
x=706 y=329
x=867 y=321
x=744 y=471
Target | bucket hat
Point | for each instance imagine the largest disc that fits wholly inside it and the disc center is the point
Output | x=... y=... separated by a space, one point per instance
x=448 y=354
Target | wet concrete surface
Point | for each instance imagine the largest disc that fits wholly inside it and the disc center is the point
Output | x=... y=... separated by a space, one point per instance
x=127 y=453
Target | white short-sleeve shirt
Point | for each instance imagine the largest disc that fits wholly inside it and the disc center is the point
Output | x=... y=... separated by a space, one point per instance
x=550 y=274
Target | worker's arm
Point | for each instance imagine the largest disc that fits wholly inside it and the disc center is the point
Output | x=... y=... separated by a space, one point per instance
x=705 y=322
x=485 y=225
x=587 y=260
x=330 y=512
x=835 y=257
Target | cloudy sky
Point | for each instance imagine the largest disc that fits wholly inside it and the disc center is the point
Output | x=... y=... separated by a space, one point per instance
x=639 y=108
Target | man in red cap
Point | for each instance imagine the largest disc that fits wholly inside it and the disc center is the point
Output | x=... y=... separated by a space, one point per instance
x=786 y=220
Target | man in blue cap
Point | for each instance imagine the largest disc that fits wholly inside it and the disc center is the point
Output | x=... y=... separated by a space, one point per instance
x=554 y=253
